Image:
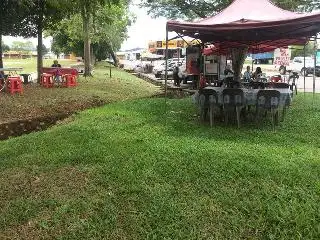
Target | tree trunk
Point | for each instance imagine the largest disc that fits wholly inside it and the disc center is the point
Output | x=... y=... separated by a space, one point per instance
x=1 y=61
x=114 y=57
x=238 y=56
x=86 y=21
x=39 y=48
x=92 y=56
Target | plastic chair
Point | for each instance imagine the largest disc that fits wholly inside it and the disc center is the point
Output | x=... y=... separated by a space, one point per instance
x=208 y=99
x=14 y=84
x=280 y=85
x=268 y=100
x=233 y=99
x=292 y=82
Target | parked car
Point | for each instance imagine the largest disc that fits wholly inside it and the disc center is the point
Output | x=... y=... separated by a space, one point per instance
x=310 y=70
x=298 y=65
x=158 y=71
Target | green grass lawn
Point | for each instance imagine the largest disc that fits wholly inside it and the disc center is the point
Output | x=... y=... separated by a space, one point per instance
x=37 y=101
x=30 y=65
x=129 y=170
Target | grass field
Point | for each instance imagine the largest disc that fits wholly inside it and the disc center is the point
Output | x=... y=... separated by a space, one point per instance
x=30 y=65
x=131 y=170
x=37 y=101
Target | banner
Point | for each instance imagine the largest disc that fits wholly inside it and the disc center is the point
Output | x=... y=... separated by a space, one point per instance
x=282 y=56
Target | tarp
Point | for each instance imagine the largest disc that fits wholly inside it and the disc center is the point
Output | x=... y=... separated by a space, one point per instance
x=252 y=23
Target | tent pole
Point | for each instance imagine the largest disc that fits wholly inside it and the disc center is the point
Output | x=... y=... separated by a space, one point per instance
x=304 y=67
x=314 y=68
x=166 y=72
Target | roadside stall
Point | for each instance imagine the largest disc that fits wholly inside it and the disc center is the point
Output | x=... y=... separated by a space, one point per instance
x=235 y=31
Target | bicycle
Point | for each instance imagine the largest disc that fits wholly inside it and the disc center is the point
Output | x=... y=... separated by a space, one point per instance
x=3 y=81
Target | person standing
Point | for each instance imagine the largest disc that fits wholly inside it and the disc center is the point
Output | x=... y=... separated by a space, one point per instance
x=247 y=75
x=176 y=78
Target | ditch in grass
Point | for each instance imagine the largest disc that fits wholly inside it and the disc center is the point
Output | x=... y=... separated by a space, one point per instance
x=127 y=171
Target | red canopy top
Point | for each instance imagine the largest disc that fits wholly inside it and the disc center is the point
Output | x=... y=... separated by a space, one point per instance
x=251 y=11
x=252 y=23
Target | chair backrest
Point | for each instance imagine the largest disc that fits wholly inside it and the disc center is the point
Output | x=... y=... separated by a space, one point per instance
x=280 y=85
x=257 y=85
x=276 y=78
x=268 y=99
x=262 y=79
x=293 y=78
x=208 y=97
x=233 y=97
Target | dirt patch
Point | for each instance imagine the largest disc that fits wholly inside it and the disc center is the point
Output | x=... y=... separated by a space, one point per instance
x=20 y=127
x=64 y=111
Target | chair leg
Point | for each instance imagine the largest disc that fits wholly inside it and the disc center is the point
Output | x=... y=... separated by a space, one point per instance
x=238 y=115
x=283 y=113
x=202 y=114
x=211 y=112
x=226 y=113
x=272 y=119
x=277 y=117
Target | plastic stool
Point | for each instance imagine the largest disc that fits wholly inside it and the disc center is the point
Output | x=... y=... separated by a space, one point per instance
x=47 y=80
x=69 y=80
x=14 y=84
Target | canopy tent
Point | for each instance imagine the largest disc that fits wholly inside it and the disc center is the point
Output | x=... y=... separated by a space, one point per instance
x=252 y=26
x=252 y=23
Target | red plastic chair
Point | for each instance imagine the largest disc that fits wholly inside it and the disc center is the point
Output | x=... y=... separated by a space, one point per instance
x=14 y=84
x=47 y=80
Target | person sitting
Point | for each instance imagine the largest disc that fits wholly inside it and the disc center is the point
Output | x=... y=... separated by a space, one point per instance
x=247 y=75
x=257 y=74
x=56 y=64
x=228 y=70
x=57 y=76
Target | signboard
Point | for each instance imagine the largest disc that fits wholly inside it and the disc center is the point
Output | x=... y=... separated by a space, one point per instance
x=172 y=44
x=318 y=57
x=282 y=56
x=211 y=64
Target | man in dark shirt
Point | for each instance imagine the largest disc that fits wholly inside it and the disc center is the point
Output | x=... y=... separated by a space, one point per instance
x=55 y=64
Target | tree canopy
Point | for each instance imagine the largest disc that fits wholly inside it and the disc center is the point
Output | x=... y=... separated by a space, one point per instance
x=107 y=32
x=184 y=9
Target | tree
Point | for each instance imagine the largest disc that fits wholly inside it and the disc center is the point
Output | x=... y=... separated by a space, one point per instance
x=40 y=15
x=44 y=50
x=87 y=10
x=175 y=9
x=12 y=20
x=5 y=47
x=299 y=51
x=25 y=46
x=108 y=30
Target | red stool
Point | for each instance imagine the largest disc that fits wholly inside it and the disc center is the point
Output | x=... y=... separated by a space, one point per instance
x=276 y=78
x=69 y=80
x=47 y=80
x=14 y=84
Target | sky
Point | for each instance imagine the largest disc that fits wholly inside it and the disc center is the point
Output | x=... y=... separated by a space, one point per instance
x=145 y=29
